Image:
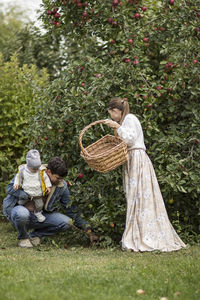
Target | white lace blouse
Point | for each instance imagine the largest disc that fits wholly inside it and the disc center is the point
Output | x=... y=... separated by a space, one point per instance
x=131 y=132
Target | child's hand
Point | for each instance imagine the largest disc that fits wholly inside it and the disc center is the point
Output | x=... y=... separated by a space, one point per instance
x=111 y=123
x=16 y=187
x=48 y=190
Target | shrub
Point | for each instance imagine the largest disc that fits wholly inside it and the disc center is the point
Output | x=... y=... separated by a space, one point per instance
x=20 y=89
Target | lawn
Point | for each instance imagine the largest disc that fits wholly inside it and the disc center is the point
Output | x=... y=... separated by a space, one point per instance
x=75 y=272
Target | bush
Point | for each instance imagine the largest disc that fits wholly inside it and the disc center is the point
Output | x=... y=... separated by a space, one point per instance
x=20 y=89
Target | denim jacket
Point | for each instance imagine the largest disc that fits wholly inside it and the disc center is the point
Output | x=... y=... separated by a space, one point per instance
x=60 y=195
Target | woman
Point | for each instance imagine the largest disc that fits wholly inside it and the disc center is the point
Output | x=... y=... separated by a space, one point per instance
x=147 y=224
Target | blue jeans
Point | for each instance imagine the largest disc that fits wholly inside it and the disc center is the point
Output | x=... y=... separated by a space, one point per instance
x=24 y=221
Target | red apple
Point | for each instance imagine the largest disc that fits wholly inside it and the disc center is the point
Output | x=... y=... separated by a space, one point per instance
x=146 y=40
x=195 y=61
x=137 y=15
x=80 y=175
x=140 y=292
x=159 y=88
x=45 y=138
x=135 y=62
x=171 y=2
x=143 y=8
x=82 y=84
x=84 y=14
x=57 y=15
x=115 y=2
x=130 y=41
x=67 y=121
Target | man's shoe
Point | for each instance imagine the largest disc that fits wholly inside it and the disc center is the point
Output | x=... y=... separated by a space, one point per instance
x=35 y=241
x=25 y=243
x=40 y=217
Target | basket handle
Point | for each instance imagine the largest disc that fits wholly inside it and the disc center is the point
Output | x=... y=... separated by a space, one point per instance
x=84 y=130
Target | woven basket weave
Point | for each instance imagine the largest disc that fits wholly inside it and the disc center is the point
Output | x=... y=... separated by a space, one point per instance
x=106 y=154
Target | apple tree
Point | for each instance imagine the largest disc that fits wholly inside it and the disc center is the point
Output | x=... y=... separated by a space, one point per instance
x=148 y=52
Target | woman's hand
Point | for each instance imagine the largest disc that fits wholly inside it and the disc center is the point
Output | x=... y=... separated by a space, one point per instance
x=111 y=123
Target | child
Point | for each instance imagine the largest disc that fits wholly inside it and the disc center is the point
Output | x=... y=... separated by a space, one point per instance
x=147 y=225
x=34 y=181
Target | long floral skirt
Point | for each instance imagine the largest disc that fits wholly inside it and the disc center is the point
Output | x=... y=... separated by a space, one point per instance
x=147 y=224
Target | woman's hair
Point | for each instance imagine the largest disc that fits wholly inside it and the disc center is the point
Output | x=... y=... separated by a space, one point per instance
x=57 y=166
x=121 y=104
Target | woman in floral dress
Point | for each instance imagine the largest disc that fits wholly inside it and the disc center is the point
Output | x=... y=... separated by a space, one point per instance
x=147 y=224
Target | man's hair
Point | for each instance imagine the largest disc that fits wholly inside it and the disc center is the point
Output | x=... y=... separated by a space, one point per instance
x=57 y=166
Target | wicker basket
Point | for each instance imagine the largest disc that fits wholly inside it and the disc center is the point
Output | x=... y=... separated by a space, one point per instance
x=106 y=154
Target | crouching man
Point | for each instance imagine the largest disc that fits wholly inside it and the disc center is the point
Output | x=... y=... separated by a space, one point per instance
x=24 y=220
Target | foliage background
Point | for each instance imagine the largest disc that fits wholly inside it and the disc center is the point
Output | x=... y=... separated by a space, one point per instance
x=147 y=51
x=19 y=90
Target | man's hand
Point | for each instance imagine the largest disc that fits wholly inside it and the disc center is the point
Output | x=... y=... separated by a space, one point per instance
x=93 y=237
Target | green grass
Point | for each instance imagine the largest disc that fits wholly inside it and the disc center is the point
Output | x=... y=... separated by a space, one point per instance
x=74 y=273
